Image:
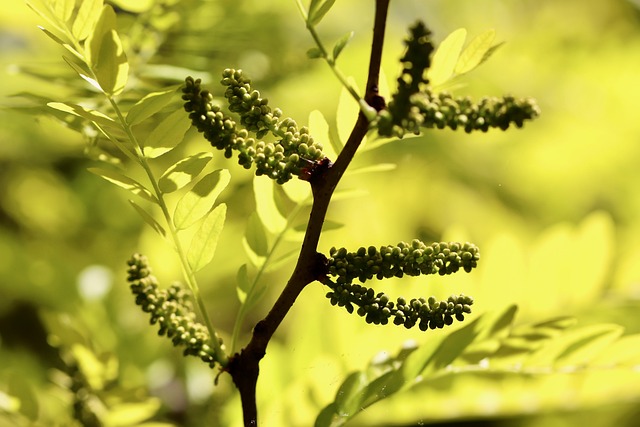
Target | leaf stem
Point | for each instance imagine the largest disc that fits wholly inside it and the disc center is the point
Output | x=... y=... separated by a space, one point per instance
x=188 y=273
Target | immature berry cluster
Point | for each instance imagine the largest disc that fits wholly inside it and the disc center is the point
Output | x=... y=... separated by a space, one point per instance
x=378 y=309
x=415 y=106
x=416 y=60
x=292 y=154
x=171 y=310
x=411 y=259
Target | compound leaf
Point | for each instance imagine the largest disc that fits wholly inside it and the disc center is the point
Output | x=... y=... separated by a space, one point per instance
x=264 y=192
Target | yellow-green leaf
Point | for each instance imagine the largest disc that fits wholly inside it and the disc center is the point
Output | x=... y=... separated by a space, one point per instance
x=149 y=105
x=263 y=190
x=199 y=201
x=204 y=242
x=446 y=57
x=106 y=54
x=167 y=135
x=86 y=19
x=124 y=182
x=475 y=53
x=92 y=115
x=183 y=172
x=149 y=219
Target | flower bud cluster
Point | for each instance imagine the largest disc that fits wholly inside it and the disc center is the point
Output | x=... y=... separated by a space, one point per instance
x=430 y=110
x=171 y=310
x=411 y=259
x=293 y=153
x=378 y=309
x=416 y=60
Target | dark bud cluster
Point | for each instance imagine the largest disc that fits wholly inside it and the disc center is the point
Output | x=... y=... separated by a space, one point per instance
x=414 y=106
x=171 y=309
x=415 y=62
x=411 y=259
x=292 y=154
x=379 y=310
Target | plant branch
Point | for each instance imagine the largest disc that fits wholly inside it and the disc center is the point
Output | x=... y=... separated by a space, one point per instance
x=244 y=366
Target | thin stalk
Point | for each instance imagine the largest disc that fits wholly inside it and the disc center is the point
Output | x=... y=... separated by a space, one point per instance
x=188 y=273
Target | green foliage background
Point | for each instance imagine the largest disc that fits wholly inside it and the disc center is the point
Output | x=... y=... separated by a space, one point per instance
x=554 y=208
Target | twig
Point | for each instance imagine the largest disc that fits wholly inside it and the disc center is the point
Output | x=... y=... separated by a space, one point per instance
x=244 y=366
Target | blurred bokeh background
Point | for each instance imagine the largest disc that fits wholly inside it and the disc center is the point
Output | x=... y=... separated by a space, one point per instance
x=554 y=208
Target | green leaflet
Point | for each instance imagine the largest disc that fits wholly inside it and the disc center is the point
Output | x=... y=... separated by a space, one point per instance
x=319 y=128
x=125 y=182
x=264 y=192
x=149 y=219
x=95 y=116
x=167 y=135
x=130 y=414
x=476 y=52
x=204 y=242
x=255 y=240
x=105 y=54
x=198 y=202
x=317 y=10
x=243 y=284
x=341 y=44
x=86 y=19
x=183 y=172
x=446 y=57
x=149 y=105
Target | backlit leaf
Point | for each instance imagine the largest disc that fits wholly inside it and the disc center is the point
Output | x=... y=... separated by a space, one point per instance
x=341 y=44
x=183 y=172
x=446 y=57
x=314 y=53
x=263 y=190
x=317 y=10
x=149 y=105
x=130 y=414
x=44 y=10
x=64 y=9
x=200 y=199
x=124 y=182
x=255 y=236
x=149 y=219
x=167 y=135
x=474 y=54
x=76 y=110
x=204 y=242
x=243 y=284
x=319 y=129
x=86 y=19
x=106 y=54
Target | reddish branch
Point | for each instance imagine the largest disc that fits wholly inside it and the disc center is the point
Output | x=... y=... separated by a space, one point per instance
x=244 y=366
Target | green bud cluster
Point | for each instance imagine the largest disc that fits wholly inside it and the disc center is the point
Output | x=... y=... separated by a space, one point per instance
x=293 y=153
x=411 y=259
x=430 y=110
x=171 y=309
x=378 y=309
x=415 y=105
x=415 y=61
